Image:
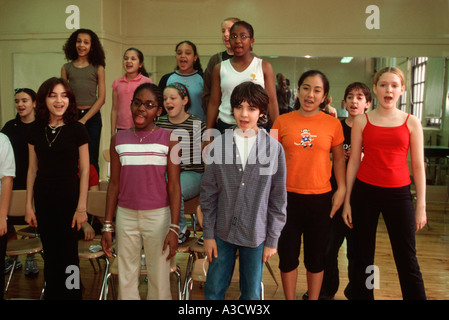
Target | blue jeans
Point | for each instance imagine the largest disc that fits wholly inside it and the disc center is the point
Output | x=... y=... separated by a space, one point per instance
x=221 y=269
x=190 y=188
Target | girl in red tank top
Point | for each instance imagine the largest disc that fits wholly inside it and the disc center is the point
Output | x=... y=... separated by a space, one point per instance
x=380 y=182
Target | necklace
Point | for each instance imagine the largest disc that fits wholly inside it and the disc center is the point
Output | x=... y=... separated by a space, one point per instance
x=143 y=138
x=53 y=131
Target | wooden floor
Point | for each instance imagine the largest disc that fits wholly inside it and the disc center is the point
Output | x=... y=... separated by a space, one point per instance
x=433 y=257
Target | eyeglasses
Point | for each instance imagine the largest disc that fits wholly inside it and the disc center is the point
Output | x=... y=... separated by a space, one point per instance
x=137 y=103
x=235 y=36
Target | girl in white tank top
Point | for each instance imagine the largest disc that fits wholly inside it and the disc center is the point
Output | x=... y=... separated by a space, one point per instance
x=243 y=66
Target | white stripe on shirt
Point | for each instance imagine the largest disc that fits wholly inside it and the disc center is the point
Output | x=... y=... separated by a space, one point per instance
x=142 y=154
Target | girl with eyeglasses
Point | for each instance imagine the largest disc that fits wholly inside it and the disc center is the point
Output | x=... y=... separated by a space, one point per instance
x=190 y=73
x=189 y=129
x=85 y=74
x=243 y=66
x=145 y=192
x=123 y=89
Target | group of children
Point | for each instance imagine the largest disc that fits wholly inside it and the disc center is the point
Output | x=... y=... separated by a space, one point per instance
x=266 y=182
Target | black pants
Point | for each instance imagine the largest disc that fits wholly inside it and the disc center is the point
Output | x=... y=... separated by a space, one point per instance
x=55 y=206
x=396 y=205
x=307 y=216
x=339 y=231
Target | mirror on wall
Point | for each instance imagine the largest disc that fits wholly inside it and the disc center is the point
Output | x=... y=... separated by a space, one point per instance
x=426 y=104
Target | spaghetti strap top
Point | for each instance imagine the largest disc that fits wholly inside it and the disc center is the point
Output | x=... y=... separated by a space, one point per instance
x=384 y=163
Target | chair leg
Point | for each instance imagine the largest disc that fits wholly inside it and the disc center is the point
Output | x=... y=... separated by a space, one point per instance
x=188 y=288
x=93 y=266
x=10 y=274
x=177 y=273
x=272 y=273
x=98 y=263
x=190 y=263
x=262 y=291
x=104 y=284
x=42 y=296
x=107 y=282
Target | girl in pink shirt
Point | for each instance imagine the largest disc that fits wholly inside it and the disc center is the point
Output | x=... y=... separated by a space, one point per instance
x=123 y=89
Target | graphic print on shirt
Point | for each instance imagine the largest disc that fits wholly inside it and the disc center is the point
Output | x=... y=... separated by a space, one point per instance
x=306 y=139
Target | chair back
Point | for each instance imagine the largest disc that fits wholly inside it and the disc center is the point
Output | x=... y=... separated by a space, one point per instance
x=96 y=202
x=18 y=203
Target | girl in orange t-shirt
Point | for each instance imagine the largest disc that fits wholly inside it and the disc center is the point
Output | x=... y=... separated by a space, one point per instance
x=308 y=137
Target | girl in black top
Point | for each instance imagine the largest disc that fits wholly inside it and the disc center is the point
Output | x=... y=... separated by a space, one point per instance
x=57 y=144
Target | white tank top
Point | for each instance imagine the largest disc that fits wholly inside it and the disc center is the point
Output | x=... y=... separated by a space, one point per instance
x=230 y=78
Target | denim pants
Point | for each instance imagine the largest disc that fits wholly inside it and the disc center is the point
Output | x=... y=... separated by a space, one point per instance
x=93 y=126
x=190 y=187
x=396 y=205
x=221 y=269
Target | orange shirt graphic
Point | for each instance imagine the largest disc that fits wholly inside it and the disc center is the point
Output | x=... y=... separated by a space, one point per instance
x=307 y=143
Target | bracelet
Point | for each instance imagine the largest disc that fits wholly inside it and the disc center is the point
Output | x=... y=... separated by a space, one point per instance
x=173 y=230
x=81 y=211
x=107 y=227
x=174 y=225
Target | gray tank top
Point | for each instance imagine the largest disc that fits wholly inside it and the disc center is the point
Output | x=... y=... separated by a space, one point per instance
x=83 y=82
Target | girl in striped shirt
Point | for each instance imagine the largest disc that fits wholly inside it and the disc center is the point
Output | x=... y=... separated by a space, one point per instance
x=144 y=189
x=189 y=130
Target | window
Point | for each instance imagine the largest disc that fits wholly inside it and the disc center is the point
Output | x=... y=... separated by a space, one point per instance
x=403 y=102
x=418 y=81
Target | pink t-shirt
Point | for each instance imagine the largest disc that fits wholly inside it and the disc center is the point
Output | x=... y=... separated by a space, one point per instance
x=143 y=183
x=125 y=90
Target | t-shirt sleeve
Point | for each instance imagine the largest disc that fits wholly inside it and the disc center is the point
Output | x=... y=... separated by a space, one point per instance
x=31 y=135
x=115 y=84
x=7 y=164
x=339 y=137
x=82 y=136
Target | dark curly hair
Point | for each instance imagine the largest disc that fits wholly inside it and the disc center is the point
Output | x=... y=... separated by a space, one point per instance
x=42 y=112
x=96 y=53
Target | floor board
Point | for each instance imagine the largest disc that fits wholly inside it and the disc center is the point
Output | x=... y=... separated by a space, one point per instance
x=433 y=257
